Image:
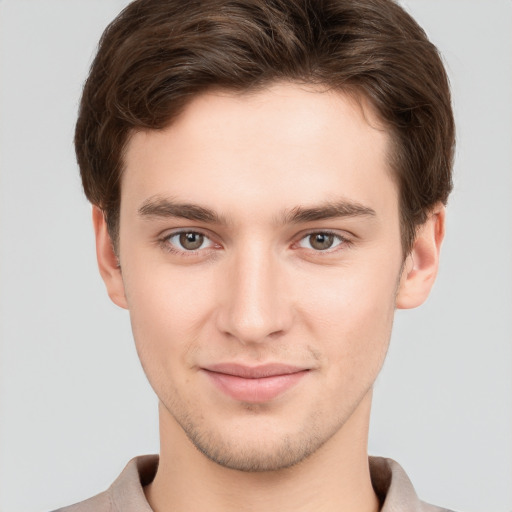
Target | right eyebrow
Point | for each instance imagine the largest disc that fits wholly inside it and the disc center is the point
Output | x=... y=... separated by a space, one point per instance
x=167 y=208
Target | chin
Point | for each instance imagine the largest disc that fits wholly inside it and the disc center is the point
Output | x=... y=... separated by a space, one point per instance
x=261 y=448
x=255 y=457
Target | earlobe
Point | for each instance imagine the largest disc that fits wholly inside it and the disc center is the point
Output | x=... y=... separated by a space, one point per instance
x=108 y=263
x=421 y=266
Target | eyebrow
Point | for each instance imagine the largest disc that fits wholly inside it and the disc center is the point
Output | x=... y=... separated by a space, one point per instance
x=168 y=208
x=328 y=210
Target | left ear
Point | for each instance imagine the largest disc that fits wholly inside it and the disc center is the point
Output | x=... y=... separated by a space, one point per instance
x=422 y=263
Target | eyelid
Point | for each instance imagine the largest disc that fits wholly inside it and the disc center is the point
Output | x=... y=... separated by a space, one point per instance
x=344 y=239
x=164 y=241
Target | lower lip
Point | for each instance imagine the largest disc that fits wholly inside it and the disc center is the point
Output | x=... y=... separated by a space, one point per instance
x=255 y=390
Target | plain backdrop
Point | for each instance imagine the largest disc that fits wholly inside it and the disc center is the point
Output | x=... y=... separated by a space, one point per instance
x=74 y=402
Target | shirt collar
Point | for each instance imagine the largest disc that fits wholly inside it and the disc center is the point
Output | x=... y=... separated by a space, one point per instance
x=391 y=484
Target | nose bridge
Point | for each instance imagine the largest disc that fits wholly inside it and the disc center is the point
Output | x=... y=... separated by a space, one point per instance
x=254 y=308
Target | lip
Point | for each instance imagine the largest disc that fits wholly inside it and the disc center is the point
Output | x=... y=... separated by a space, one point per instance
x=254 y=384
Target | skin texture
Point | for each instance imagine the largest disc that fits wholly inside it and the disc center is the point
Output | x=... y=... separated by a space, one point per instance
x=260 y=288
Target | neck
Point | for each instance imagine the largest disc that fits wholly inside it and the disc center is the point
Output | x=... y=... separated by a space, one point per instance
x=335 y=478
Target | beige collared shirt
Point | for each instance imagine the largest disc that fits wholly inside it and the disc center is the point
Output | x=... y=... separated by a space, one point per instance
x=126 y=494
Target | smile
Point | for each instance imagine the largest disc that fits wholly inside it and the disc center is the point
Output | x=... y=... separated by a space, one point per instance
x=254 y=384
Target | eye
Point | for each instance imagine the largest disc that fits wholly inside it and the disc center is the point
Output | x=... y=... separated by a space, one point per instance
x=188 y=241
x=321 y=241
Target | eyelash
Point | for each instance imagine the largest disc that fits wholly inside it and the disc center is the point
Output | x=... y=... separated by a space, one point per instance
x=164 y=242
x=344 y=242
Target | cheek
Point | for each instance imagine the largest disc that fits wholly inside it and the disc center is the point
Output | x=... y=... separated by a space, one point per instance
x=350 y=314
x=169 y=308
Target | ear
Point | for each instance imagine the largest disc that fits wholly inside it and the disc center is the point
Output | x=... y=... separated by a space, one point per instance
x=421 y=265
x=108 y=263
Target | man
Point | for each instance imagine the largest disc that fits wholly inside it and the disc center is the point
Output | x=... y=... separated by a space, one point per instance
x=268 y=181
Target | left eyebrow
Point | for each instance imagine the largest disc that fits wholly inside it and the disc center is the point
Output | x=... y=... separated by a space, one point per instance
x=330 y=210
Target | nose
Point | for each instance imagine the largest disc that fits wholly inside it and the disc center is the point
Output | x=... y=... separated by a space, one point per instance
x=255 y=307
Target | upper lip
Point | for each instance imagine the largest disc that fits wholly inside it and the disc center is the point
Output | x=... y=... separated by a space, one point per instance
x=254 y=372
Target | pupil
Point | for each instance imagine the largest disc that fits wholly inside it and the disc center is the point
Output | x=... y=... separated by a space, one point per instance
x=191 y=241
x=321 y=241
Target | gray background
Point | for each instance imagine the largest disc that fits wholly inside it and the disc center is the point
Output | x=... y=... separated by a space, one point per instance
x=75 y=405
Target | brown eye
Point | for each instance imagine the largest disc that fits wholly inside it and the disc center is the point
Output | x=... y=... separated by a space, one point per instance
x=321 y=241
x=191 y=241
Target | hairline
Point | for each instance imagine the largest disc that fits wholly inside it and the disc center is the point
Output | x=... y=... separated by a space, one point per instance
x=352 y=91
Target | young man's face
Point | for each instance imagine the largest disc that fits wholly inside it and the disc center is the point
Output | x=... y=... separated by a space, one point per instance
x=261 y=263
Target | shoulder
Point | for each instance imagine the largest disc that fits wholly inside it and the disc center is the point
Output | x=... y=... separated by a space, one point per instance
x=426 y=507
x=99 y=503
x=126 y=493
x=394 y=489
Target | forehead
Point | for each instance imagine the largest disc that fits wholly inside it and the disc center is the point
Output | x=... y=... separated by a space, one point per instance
x=284 y=146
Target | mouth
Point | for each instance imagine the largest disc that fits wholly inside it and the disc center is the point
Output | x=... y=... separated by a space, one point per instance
x=254 y=384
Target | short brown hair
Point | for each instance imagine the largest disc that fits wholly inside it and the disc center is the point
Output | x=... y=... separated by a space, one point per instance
x=158 y=54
